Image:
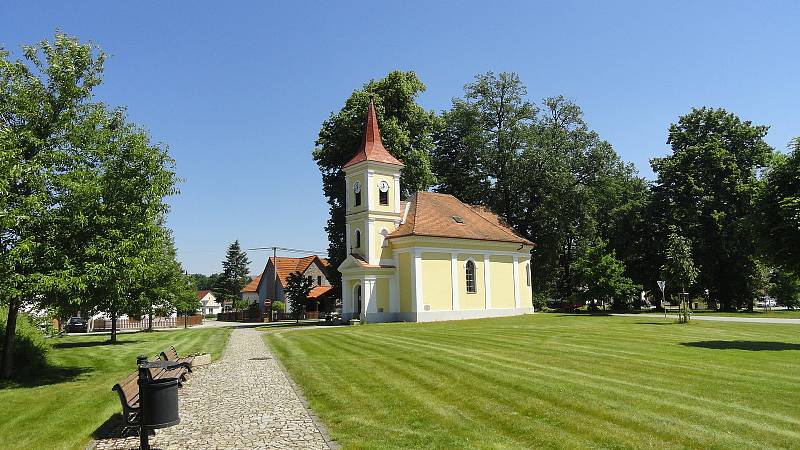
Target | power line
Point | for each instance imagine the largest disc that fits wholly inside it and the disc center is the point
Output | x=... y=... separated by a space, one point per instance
x=289 y=250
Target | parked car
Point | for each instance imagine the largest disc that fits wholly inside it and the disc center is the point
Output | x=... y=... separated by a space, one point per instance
x=76 y=325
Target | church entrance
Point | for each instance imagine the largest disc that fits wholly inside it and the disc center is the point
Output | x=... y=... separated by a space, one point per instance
x=357 y=303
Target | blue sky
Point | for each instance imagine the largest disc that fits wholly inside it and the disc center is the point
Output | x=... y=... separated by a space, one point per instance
x=238 y=90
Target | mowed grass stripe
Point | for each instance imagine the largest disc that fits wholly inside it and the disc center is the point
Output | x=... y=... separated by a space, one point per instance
x=515 y=367
x=635 y=394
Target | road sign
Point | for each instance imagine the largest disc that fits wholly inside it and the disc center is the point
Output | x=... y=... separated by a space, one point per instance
x=661 y=285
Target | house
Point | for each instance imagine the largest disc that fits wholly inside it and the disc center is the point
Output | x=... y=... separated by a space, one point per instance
x=208 y=303
x=426 y=259
x=312 y=267
x=250 y=292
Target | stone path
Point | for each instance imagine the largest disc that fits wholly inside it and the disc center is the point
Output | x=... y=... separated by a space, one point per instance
x=243 y=401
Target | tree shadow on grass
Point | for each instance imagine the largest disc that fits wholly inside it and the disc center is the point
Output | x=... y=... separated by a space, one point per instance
x=87 y=344
x=112 y=429
x=45 y=376
x=744 y=345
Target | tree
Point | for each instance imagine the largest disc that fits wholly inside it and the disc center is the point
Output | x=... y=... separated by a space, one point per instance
x=785 y=287
x=297 y=289
x=234 y=275
x=707 y=188
x=601 y=276
x=778 y=211
x=204 y=282
x=679 y=269
x=407 y=133
x=43 y=101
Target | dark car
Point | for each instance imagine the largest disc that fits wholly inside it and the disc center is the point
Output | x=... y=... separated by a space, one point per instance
x=76 y=325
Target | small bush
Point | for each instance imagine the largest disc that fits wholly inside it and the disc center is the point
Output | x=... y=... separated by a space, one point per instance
x=30 y=348
x=210 y=316
x=278 y=306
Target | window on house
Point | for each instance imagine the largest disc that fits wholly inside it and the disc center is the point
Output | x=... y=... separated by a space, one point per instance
x=358 y=239
x=358 y=199
x=528 y=272
x=384 y=197
x=319 y=280
x=471 y=277
x=310 y=279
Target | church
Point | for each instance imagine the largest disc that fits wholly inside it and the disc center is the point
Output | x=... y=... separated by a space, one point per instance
x=429 y=258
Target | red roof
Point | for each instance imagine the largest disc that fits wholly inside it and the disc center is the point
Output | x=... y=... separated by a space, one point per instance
x=201 y=294
x=372 y=148
x=442 y=215
x=252 y=286
x=318 y=291
x=287 y=266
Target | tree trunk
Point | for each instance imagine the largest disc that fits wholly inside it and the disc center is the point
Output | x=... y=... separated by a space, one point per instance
x=113 y=327
x=10 y=337
x=150 y=325
x=186 y=321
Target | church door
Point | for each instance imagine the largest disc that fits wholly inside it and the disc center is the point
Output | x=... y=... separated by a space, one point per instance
x=357 y=311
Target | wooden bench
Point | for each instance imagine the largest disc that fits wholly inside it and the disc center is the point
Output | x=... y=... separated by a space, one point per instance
x=171 y=354
x=177 y=372
x=128 y=390
x=670 y=307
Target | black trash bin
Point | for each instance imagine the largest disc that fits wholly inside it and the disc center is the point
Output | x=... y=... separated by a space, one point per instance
x=159 y=402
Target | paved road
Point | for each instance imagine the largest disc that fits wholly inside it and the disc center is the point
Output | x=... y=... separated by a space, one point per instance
x=243 y=401
x=722 y=318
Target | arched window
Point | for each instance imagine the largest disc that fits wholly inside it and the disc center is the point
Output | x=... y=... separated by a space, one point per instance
x=358 y=238
x=470 y=274
x=528 y=272
x=385 y=242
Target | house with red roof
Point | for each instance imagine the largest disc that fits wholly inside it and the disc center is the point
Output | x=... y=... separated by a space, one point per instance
x=274 y=278
x=208 y=303
x=250 y=292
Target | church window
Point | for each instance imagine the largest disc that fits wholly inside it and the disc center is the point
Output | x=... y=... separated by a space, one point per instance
x=383 y=190
x=358 y=239
x=357 y=192
x=384 y=198
x=471 y=277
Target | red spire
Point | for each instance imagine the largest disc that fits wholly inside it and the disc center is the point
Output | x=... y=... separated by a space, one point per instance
x=372 y=148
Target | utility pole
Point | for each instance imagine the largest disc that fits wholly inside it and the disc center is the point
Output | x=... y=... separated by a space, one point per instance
x=274 y=281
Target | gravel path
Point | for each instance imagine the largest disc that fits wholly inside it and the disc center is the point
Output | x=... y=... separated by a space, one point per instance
x=243 y=401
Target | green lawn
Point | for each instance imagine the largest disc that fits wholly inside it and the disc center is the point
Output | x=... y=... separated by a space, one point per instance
x=63 y=408
x=779 y=314
x=551 y=381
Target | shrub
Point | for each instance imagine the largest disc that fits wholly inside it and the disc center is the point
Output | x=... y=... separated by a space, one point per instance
x=210 y=316
x=30 y=348
x=278 y=306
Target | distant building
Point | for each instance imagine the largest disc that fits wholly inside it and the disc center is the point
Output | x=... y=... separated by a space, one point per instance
x=312 y=267
x=208 y=303
x=250 y=292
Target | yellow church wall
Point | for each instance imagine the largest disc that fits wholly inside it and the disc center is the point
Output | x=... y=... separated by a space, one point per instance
x=376 y=203
x=377 y=239
x=437 y=287
x=475 y=300
x=406 y=285
x=382 y=295
x=525 y=292
x=502 y=276
x=458 y=244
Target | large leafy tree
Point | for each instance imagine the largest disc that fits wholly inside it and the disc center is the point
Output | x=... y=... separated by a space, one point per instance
x=407 y=132
x=297 y=289
x=778 y=218
x=44 y=98
x=234 y=274
x=707 y=188
x=600 y=276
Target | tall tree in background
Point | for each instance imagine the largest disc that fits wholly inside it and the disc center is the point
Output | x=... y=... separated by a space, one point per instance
x=778 y=218
x=43 y=100
x=707 y=189
x=407 y=132
x=234 y=274
x=297 y=289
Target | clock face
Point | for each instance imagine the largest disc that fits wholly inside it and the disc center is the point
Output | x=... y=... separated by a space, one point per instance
x=357 y=187
x=383 y=186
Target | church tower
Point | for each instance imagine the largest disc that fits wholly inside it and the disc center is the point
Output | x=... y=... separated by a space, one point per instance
x=372 y=204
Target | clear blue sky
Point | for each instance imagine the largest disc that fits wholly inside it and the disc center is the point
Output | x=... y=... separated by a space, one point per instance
x=238 y=90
